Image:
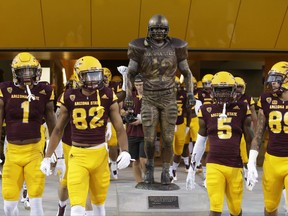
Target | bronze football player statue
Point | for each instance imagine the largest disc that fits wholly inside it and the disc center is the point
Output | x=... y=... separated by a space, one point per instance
x=157 y=57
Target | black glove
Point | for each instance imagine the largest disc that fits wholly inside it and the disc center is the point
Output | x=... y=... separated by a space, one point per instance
x=190 y=100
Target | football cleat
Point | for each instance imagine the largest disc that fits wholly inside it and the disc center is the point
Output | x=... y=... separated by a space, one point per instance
x=27 y=204
x=61 y=210
x=24 y=196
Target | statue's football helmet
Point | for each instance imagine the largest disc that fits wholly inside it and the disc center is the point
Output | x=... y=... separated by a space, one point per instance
x=90 y=73
x=26 y=69
x=158 y=27
x=206 y=82
x=278 y=73
x=107 y=75
x=223 y=87
x=241 y=86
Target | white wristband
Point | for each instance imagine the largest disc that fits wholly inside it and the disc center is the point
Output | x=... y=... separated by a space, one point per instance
x=253 y=156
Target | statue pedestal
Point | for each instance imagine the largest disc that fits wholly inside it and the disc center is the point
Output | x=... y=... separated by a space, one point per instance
x=157 y=186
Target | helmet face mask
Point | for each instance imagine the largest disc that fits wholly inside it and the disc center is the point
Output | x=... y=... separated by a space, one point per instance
x=158 y=28
x=26 y=70
x=223 y=88
x=224 y=94
x=92 y=79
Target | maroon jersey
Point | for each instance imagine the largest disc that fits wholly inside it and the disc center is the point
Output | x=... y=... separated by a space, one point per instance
x=181 y=98
x=204 y=97
x=23 y=118
x=66 y=137
x=158 y=64
x=135 y=130
x=247 y=99
x=115 y=86
x=275 y=111
x=88 y=114
x=224 y=133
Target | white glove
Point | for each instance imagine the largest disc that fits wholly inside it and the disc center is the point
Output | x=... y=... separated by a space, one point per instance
x=108 y=133
x=60 y=168
x=123 y=70
x=190 y=180
x=175 y=129
x=123 y=160
x=46 y=166
x=187 y=130
x=252 y=171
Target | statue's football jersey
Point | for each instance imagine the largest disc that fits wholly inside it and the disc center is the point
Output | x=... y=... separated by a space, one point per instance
x=23 y=118
x=89 y=114
x=275 y=111
x=224 y=133
x=158 y=64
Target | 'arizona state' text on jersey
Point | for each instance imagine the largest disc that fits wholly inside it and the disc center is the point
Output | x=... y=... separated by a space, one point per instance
x=224 y=133
x=89 y=113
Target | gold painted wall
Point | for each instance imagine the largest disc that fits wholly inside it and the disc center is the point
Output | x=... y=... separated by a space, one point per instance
x=112 y=24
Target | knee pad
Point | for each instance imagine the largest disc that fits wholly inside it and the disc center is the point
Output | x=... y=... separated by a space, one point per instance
x=10 y=208
x=77 y=210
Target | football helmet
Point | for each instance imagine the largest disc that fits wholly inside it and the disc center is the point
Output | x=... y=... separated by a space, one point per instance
x=158 y=27
x=116 y=78
x=26 y=69
x=278 y=73
x=107 y=75
x=90 y=73
x=206 y=82
x=223 y=87
x=199 y=84
x=241 y=86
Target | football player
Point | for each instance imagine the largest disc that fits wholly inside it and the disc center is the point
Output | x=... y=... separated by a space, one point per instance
x=110 y=130
x=243 y=97
x=23 y=104
x=88 y=109
x=204 y=96
x=223 y=122
x=273 y=114
x=181 y=129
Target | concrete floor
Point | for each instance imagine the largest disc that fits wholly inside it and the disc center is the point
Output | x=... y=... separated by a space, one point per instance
x=125 y=200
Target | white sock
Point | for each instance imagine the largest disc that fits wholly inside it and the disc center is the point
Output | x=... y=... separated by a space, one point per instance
x=204 y=171
x=36 y=207
x=10 y=208
x=99 y=210
x=186 y=160
x=175 y=165
x=63 y=203
x=89 y=213
x=284 y=195
x=77 y=210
